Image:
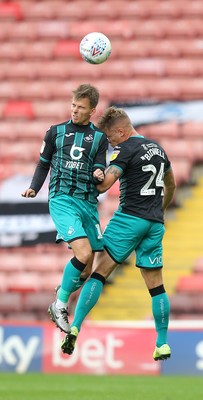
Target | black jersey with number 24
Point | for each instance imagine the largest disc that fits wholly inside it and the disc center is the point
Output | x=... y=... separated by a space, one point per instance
x=143 y=163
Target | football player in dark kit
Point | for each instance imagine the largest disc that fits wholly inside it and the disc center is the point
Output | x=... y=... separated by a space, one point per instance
x=72 y=151
x=147 y=187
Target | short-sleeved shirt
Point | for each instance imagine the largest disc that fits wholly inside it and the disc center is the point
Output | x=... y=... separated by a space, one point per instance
x=143 y=163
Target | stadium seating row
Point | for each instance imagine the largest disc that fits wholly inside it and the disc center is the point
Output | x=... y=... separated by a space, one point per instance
x=118 y=28
x=110 y=89
x=121 y=48
x=18 y=10
x=72 y=69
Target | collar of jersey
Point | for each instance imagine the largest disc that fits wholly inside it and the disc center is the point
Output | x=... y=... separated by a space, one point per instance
x=137 y=136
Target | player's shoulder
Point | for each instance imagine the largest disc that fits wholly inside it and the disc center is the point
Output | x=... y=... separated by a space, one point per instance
x=96 y=129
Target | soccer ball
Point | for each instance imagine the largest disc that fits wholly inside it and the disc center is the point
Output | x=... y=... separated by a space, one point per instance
x=95 y=48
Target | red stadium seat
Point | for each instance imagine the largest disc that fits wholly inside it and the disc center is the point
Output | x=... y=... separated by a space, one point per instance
x=198 y=265
x=168 y=130
x=192 y=129
x=49 y=281
x=38 y=301
x=11 y=262
x=191 y=283
x=194 y=8
x=182 y=169
x=23 y=282
x=18 y=109
x=50 y=109
x=179 y=149
x=10 y=10
x=181 y=67
x=163 y=88
x=67 y=48
x=130 y=49
x=186 y=303
x=11 y=302
x=191 y=89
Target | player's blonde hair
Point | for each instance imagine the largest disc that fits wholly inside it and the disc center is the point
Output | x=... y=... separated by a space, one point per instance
x=111 y=116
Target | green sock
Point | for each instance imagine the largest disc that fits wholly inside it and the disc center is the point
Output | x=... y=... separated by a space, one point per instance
x=71 y=280
x=161 y=311
x=88 y=297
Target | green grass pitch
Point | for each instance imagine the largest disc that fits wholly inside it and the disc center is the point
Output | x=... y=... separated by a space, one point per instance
x=92 y=387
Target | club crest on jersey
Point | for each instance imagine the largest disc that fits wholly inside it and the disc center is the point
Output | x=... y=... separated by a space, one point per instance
x=88 y=138
x=42 y=147
x=70 y=230
x=114 y=155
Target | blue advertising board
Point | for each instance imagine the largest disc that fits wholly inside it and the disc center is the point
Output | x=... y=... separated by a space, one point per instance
x=187 y=353
x=20 y=348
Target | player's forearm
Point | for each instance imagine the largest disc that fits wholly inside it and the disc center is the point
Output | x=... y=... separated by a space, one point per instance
x=39 y=176
x=168 y=196
x=111 y=175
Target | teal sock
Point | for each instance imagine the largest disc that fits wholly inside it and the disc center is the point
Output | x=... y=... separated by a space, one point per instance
x=161 y=311
x=71 y=280
x=88 y=297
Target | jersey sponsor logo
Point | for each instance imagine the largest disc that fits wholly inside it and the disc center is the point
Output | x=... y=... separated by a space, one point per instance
x=76 y=152
x=156 y=260
x=74 y=164
x=88 y=138
x=69 y=134
x=42 y=147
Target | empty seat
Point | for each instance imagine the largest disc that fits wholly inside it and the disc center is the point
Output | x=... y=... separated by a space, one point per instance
x=198 y=265
x=50 y=262
x=179 y=149
x=181 y=67
x=39 y=10
x=18 y=109
x=33 y=30
x=192 y=129
x=67 y=48
x=163 y=89
x=51 y=109
x=169 y=130
x=49 y=281
x=17 y=129
x=181 y=28
x=182 y=169
x=39 y=49
x=10 y=302
x=38 y=301
x=186 y=303
x=130 y=49
x=194 y=8
x=22 y=150
x=191 y=283
x=23 y=282
x=10 y=10
x=191 y=89
x=11 y=262
x=147 y=67
x=165 y=47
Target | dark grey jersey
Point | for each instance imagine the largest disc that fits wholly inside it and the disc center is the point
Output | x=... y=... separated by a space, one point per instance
x=143 y=163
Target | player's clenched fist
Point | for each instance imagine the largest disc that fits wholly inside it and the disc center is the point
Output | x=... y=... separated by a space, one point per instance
x=29 y=193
